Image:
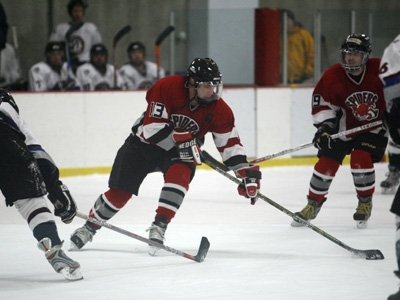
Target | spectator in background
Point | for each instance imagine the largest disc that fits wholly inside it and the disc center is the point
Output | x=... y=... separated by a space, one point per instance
x=138 y=73
x=10 y=74
x=79 y=35
x=52 y=74
x=96 y=74
x=300 y=51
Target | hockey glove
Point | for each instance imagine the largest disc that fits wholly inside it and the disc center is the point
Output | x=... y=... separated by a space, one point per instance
x=64 y=204
x=187 y=147
x=250 y=185
x=322 y=139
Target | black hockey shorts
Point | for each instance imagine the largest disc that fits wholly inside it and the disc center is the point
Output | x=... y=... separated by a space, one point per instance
x=135 y=160
x=20 y=177
x=369 y=142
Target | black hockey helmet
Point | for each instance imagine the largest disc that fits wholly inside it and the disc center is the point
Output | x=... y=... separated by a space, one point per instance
x=355 y=42
x=54 y=46
x=205 y=71
x=136 y=46
x=72 y=3
x=98 y=48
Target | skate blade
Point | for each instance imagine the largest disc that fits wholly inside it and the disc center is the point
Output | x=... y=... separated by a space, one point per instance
x=153 y=250
x=296 y=224
x=362 y=224
x=71 y=274
x=389 y=191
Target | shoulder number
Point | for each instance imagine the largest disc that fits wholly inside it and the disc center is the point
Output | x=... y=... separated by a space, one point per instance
x=316 y=100
x=156 y=110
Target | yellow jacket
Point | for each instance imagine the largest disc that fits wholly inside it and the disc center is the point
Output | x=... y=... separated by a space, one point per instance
x=300 y=55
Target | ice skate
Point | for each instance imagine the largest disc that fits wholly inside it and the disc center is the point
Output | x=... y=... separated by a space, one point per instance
x=363 y=211
x=309 y=212
x=81 y=236
x=156 y=234
x=61 y=263
x=389 y=185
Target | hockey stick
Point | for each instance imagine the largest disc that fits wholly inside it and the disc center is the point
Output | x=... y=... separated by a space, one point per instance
x=117 y=37
x=74 y=27
x=200 y=256
x=367 y=254
x=304 y=146
x=159 y=40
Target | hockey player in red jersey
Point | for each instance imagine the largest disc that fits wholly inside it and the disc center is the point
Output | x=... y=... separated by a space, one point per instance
x=167 y=138
x=348 y=95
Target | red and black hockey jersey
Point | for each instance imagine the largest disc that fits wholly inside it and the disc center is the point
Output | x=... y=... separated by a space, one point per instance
x=168 y=110
x=337 y=95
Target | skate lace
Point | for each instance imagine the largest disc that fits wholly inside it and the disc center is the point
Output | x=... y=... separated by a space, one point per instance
x=363 y=209
x=156 y=232
x=84 y=234
x=308 y=211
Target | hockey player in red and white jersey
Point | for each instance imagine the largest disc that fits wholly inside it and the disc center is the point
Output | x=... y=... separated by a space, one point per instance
x=348 y=95
x=167 y=138
x=52 y=74
x=27 y=174
x=138 y=73
x=96 y=74
x=84 y=36
x=390 y=75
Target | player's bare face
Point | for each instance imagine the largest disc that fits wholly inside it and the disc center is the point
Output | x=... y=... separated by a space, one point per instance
x=56 y=58
x=353 y=58
x=99 y=59
x=205 y=91
x=77 y=13
x=137 y=57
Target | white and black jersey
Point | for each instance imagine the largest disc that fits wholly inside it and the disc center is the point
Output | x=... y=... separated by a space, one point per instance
x=80 y=40
x=90 y=79
x=9 y=116
x=43 y=78
x=9 y=71
x=132 y=79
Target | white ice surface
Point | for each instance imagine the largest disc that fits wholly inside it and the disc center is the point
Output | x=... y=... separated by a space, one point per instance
x=254 y=253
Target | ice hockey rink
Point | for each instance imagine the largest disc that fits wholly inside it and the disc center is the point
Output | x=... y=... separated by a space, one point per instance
x=254 y=253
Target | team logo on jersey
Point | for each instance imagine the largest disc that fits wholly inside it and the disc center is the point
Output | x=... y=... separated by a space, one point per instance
x=185 y=122
x=76 y=45
x=363 y=105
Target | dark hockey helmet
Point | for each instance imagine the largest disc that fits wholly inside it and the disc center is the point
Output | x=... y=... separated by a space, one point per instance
x=72 y=4
x=54 y=46
x=205 y=73
x=98 y=48
x=136 y=46
x=355 y=43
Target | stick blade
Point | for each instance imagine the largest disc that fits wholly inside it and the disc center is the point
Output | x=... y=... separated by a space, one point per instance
x=203 y=249
x=122 y=32
x=164 y=34
x=374 y=254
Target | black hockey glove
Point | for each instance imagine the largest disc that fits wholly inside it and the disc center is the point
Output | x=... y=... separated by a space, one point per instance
x=322 y=139
x=64 y=204
x=188 y=149
x=250 y=185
